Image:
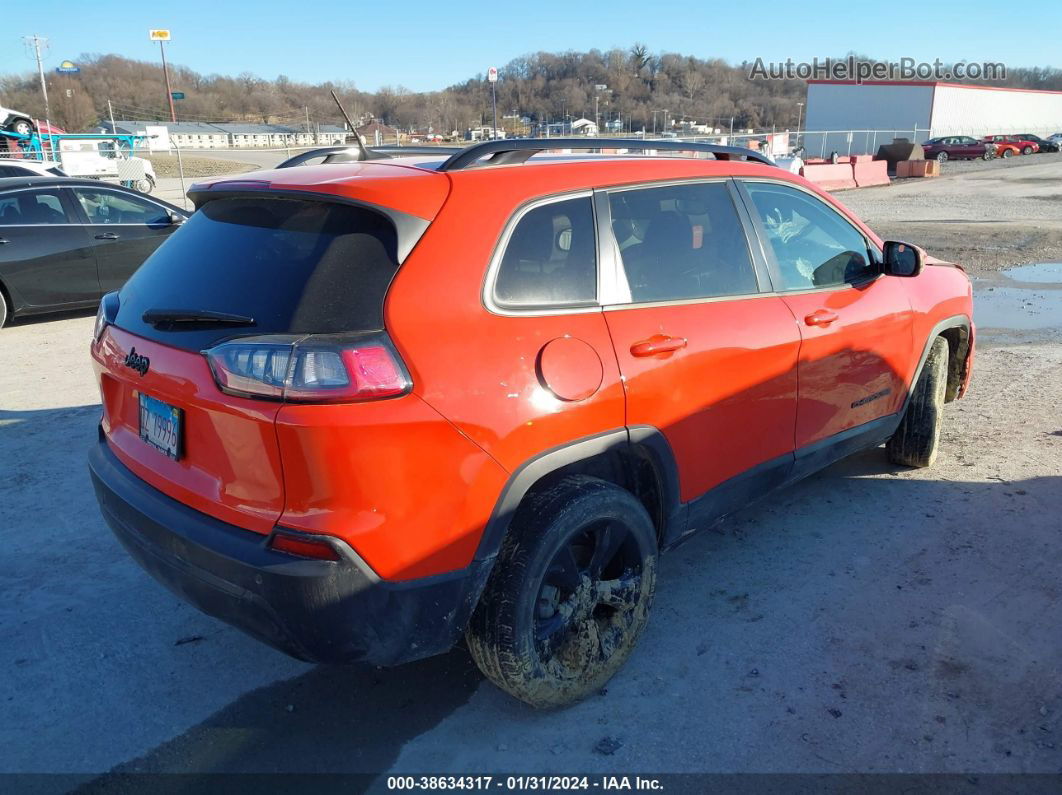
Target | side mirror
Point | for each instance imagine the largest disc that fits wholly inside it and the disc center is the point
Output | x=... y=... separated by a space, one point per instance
x=176 y=219
x=902 y=259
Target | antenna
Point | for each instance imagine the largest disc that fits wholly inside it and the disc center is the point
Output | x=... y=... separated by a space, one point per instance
x=353 y=129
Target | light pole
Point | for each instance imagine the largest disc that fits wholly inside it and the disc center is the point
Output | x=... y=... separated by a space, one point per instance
x=162 y=35
x=37 y=42
x=598 y=88
x=800 y=117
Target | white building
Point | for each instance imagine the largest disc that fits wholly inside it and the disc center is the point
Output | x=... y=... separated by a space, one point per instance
x=871 y=114
x=584 y=127
x=195 y=135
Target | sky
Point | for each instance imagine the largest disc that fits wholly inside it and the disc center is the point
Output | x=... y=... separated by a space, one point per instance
x=430 y=45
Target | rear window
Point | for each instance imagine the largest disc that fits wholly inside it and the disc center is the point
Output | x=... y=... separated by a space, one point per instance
x=295 y=266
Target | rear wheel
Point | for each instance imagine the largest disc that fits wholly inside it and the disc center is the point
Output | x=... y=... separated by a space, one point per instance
x=3 y=310
x=144 y=185
x=987 y=155
x=569 y=594
x=916 y=441
x=1028 y=150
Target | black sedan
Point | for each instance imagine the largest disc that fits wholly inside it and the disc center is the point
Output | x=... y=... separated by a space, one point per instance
x=65 y=242
x=1045 y=145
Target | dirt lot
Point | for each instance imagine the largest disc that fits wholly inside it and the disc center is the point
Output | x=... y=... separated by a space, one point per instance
x=870 y=619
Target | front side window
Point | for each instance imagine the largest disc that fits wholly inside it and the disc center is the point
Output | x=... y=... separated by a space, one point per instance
x=813 y=245
x=110 y=207
x=550 y=258
x=681 y=242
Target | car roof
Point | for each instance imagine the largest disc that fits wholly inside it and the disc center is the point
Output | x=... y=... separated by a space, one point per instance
x=43 y=181
x=414 y=185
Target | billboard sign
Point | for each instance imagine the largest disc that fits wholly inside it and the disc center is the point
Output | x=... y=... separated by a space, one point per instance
x=67 y=68
x=492 y=74
x=159 y=34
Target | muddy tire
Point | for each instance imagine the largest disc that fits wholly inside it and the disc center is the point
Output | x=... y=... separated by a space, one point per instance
x=569 y=595
x=916 y=441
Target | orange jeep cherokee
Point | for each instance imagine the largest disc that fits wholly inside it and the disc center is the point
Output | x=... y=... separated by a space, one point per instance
x=361 y=409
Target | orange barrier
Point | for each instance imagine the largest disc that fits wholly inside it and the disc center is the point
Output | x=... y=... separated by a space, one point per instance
x=830 y=176
x=869 y=172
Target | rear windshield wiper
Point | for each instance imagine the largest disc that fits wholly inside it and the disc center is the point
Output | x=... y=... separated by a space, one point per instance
x=194 y=318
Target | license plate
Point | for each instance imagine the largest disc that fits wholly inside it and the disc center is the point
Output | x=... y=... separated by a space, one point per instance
x=160 y=425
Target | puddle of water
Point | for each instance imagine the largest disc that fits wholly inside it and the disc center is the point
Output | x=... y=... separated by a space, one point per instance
x=1017 y=308
x=1041 y=273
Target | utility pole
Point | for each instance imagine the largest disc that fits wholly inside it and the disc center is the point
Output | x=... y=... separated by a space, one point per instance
x=307 y=118
x=37 y=42
x=110 y=112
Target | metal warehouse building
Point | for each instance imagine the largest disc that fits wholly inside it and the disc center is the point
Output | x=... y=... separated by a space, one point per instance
x=866 y=115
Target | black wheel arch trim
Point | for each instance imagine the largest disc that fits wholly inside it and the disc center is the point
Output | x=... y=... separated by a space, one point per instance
x=955 y=321
x=647 y=440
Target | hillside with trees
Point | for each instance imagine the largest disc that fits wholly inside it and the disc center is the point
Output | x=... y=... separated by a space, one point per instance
x=643 y=89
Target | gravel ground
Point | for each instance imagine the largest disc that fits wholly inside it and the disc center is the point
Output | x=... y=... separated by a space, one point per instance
x=196 y=166
x=869 y=619
x=983 y=215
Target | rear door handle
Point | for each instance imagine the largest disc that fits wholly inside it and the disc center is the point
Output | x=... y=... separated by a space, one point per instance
x=3 y=240
x=820 y=317
x=107 y=236
x=658 y=343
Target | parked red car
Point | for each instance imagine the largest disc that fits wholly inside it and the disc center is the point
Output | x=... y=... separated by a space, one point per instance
x=1010 y=145
x=957 y=147
x=361 y=410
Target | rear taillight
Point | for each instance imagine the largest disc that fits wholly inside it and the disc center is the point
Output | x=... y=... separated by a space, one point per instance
x=105 y=315
x=309 y=369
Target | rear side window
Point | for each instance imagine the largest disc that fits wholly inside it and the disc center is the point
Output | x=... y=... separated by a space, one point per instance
x=550 y=259
x=681 y=242
x=33 y=207
x=295 y=266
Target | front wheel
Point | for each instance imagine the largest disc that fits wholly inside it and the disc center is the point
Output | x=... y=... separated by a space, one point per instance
x=917 y=440
x=942 y=157
x=22 y=126
x=569 y=594
x=3 y=310
x=1008 y=153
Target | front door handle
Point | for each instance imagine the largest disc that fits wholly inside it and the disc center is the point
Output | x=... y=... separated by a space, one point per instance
x=658 y=343
x=3 y=240
x=107 y=236
x=820 y=317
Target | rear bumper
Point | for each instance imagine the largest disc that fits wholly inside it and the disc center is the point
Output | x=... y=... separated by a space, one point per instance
x=319 y=611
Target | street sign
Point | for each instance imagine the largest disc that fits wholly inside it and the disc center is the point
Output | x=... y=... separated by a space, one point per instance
x=67 y=68
x=600 y=87
x=159 y=35
x=177 y=94
x=492 y=74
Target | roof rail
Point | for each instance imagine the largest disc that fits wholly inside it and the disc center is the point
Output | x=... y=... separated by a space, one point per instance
x=519 y=150
x=353 y=154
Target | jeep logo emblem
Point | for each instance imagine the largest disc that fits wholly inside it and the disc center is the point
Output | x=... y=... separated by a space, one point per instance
x=137 y=362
